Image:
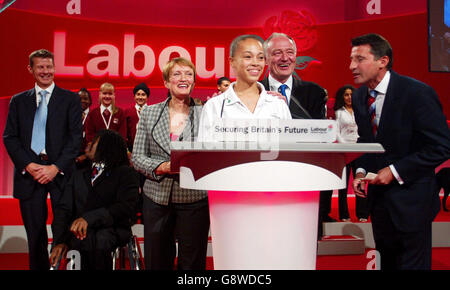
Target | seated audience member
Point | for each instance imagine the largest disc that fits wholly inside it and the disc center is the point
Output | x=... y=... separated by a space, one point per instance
x=141 y=94
x=86 y=102
x=171 y=213
x=246 y=98
x=107 y=115
x=95 y=211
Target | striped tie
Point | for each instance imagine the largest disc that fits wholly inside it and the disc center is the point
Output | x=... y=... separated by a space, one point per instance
x=372 y=111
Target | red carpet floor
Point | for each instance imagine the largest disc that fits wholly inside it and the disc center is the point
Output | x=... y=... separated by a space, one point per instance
x=441 y=256
x=441 y=261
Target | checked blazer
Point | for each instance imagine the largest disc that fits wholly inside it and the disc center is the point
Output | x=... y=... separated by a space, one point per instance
x=152 y=147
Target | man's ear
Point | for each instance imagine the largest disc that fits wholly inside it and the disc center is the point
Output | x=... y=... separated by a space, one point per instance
x=30 y=69
x=384 y=60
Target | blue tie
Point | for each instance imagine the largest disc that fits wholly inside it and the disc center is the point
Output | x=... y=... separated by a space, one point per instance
x=39 y=125
x=282 y=90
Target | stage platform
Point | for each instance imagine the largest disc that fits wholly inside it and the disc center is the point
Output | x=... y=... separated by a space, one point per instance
x=13 y=237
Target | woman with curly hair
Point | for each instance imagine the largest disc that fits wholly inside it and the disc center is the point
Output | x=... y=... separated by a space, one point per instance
x=97 y=208
x=348 y=133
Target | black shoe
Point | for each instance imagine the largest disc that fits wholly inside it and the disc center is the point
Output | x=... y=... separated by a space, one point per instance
x=328 y=219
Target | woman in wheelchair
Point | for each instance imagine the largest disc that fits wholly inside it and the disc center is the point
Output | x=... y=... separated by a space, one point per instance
x=96 y=210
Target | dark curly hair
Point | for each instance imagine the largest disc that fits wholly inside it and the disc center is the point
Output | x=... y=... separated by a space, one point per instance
x=339 y=98
x=111 y=149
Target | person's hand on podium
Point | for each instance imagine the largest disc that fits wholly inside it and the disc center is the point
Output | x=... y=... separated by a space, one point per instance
x=164 y=168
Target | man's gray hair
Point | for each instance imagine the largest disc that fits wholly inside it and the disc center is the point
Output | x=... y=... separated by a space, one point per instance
x=274 y=35
x=234 y=44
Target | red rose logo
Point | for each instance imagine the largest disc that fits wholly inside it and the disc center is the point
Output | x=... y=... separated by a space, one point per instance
x=298 y=25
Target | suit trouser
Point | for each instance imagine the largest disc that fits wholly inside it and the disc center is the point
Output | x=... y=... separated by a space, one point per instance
x=34 y=213
x=400 y=250
x=188 y=223
x=361 y=204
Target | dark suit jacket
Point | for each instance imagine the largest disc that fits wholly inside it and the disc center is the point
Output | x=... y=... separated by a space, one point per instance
x=414 y=133
x=95 y=123
x=63 y=135
x=311 y=97
x=110 y=202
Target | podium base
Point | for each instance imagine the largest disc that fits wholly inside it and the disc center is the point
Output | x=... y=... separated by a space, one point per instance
x=264 y=230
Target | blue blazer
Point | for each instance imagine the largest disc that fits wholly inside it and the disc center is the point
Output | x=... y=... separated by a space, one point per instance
x=63 y=136
x=415 y=135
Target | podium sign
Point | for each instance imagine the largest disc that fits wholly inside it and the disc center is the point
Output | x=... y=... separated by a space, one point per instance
x=272 y=130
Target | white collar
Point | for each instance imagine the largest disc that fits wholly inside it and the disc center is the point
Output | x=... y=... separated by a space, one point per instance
x=381 y=88
x=103 y=108
x=274 y=84
x=38 y=90
x=231 y=98
x=138 y=107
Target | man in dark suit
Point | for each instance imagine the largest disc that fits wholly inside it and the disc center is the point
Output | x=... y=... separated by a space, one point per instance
x=42 y=136
x=405 y=116
x=306 y=100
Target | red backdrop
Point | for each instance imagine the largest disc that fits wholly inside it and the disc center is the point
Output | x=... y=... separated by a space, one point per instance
x=323 y=32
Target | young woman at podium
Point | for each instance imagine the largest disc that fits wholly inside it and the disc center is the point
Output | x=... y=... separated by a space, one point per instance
x=246 y=98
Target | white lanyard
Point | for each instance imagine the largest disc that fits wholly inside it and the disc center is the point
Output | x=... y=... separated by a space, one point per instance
x=109 y=121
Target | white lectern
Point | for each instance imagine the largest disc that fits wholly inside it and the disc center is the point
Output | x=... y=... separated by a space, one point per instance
x=264 y=198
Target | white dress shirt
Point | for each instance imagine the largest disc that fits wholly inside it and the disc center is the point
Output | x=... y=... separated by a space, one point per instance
x=139 y=109
x=86 y=112
x=103 y=108
x=229 y=106
x=274 y=85
x=381 y=89
x=38 y=93
x=38 y=90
